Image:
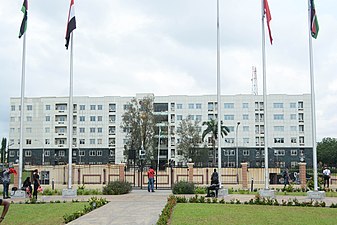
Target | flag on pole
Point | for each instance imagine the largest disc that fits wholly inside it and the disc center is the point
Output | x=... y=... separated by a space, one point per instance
x=71 y=25
x=268 y=16
x=23 y=27
x=313 y=20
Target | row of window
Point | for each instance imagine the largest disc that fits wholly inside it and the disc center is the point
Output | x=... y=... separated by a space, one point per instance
x=28 y=153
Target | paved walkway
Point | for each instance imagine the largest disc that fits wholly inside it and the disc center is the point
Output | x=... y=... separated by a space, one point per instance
x=142 y=207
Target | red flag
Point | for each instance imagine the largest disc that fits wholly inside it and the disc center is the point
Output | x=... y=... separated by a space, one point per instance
x=71 y=25
x=268 y=16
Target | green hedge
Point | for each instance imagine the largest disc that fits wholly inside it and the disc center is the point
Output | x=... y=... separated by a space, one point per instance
x=183 y=187
x=117 y=188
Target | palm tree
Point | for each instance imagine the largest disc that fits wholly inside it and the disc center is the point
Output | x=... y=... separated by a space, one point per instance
x=212 y=129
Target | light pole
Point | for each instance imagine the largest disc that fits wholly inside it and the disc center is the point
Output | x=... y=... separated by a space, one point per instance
x=42 y=150
x=237 y=152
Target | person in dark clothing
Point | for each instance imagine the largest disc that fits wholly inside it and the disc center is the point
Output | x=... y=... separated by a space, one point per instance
x=286 y=177
x=36 y=181
x=6 y=205
x=27 y=186
x=6 y=180
x=214 y=184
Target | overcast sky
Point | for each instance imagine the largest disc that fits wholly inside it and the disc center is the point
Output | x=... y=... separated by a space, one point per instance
x=124 y=47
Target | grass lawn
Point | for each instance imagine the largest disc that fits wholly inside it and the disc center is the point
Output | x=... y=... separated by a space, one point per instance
x=40 y=214
x=250 y=214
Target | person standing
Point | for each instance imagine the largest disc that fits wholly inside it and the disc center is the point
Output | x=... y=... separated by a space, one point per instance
x=286 y=177
x=6 y=179
x=150 y=175
x=36 y=181
x=326 y=176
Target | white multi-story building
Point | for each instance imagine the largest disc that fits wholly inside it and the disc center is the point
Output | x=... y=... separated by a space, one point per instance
x=98 y=137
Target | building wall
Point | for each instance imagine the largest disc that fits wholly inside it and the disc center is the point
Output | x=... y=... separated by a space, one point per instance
x=45 y=127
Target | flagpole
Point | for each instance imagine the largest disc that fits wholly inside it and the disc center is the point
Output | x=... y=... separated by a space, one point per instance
x=265 y=100
x=22 y=108
x=313 y=110
x=70 y=116
x=218 y=95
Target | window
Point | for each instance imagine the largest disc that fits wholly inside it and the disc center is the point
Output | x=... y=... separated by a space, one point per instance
x=92 y=130
x=92 y=153
x=300 y=117
x=278 y=140
x=293 y=152
x=11 y=153
x=293 y=128
x=278 y=116
x=92 y=118
x=112 y=107
x=29 y=107
x=198 y=105
x=245 y=152
x=82 y=130
x=231 y=128
x=278 y=105
x=82 y=141
x=293 y=105
x=12 y=119
x=293 y=140
x=245 y=140
x=47 y=141
x=301 y=140
x=190 y=106
x=179 y=117
x=47 y=107
x=99 y=118
x=82 y=107
x=99 y=153
x=28 y=153
x=29 y=119
x=293 y=164
x=92 y=141
x=245 y=105
x=82 y=118
x=228 y=105
x=301 y=128
x=300 y=105
x=81 y=153
x=99 y=107
x=29 y=130
x=293 y=116
x=112 y=152
x=279 y=152
x=245 y=117
x=228 y=117
x=210 y=106
x=99 y=130
x=229 y=140
x=47 y=129
x=92 y=107
x=198 y=117
x=47 y=153
x=278 y=128
x=229 y=152
x=61 y=153
x=12 y=107
x=28 y=141
x=245 y=128
x=47 y=118
x=179 y=106
x=99 y=141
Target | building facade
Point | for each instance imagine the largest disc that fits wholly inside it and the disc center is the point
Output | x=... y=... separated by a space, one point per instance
x=99 y=139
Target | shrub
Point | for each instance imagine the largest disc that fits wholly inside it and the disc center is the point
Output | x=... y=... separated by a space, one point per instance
x=183 y=187
x=201 y=190
x=117 y=188
x=167 y=211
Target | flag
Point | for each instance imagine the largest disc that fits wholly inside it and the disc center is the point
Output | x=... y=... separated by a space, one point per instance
x=268 y=16
x=313 y=20
x=23 y=27
x=71 y=22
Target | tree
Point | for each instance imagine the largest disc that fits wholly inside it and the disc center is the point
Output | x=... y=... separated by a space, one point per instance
x=327 y=151
x=3 y=150
x=212 y=129
x=138 y=122
x=188 y=132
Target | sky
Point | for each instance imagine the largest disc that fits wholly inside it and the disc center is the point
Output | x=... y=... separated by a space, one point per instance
x=124 y=47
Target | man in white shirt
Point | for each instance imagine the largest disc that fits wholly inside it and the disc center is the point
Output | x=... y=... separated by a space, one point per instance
x=326 y=176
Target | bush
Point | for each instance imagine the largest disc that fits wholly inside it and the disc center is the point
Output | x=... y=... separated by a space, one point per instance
x=117 y=188
x=183 y=187
x=167 y=211
x=201 y=190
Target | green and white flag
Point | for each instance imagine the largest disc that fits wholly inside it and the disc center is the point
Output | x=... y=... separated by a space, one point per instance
x=23 y=27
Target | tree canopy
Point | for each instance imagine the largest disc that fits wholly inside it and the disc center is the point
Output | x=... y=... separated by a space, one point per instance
x=327 y=151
